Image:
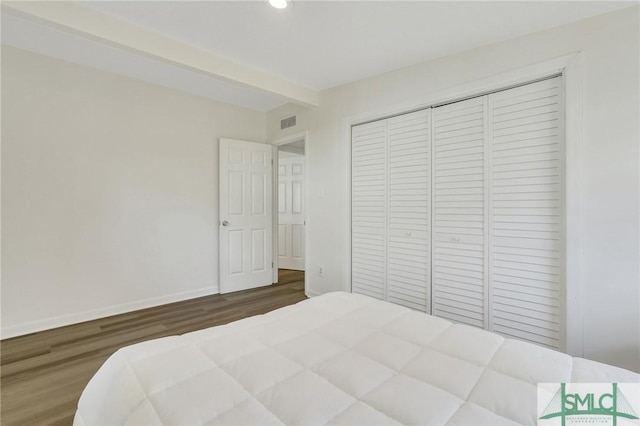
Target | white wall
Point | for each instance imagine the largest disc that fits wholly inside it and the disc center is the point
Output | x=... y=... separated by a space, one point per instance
x=611 y=183
x=109 y=192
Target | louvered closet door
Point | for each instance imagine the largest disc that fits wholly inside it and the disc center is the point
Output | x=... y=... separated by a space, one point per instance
x=459 y=275
x=525 y=202
x=369 y=220
x=408 y=247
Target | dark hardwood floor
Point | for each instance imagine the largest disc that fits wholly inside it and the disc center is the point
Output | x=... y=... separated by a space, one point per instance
x=43 y=374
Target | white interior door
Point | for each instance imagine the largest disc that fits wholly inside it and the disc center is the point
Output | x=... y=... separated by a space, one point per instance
x=368 y=209
x=246 y=233
x=409 y=210
x=525 y=219
x=391 y=208
x=291 y=211
x=460 y=284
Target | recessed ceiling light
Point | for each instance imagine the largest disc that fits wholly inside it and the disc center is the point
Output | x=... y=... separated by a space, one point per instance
x=278 y=4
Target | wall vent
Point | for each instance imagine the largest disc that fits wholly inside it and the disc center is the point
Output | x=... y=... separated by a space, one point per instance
x=287 y=122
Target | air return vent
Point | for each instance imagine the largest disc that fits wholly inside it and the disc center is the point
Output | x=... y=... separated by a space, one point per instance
x=287 y=122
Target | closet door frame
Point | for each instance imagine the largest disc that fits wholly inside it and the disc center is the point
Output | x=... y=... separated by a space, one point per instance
x=571 y=69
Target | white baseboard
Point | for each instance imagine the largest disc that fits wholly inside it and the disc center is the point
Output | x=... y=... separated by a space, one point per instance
x=60 y=321
x=310 y=293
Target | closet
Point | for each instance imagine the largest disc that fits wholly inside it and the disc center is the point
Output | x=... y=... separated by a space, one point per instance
x=457 y=211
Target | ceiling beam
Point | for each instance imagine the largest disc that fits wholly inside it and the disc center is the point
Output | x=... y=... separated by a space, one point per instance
x=73 y=18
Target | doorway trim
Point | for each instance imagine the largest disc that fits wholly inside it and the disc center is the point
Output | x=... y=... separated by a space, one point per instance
x=300 y=136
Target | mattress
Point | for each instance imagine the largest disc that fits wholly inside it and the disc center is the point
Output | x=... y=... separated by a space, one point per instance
x=339 y=358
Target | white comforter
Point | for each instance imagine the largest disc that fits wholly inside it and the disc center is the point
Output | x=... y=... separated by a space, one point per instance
x=339 y=358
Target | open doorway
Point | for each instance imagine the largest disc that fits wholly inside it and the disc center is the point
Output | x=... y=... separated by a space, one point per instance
x=290 y=208
x=291 y=214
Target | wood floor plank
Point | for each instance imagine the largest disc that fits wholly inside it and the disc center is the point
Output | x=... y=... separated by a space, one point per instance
x=43 y=374
x=79 y=348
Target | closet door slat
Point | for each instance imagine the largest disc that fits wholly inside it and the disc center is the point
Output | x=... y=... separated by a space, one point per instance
x=368 y=209
x=458 y=280
x=526 y=214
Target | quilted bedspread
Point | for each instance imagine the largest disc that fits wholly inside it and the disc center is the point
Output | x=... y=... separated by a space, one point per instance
x=340 y=358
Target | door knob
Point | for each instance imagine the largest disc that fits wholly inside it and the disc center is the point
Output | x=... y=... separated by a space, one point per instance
x=225 y=223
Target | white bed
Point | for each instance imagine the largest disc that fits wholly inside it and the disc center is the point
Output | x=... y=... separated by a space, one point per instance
x=340 y=358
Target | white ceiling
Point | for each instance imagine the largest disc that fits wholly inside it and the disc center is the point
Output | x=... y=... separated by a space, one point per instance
x=312 y=44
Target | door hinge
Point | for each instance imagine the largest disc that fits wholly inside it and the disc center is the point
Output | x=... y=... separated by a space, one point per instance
x=272 y=264
x=272 y=161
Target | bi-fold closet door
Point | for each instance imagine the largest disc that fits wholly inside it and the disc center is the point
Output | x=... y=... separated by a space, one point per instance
x=498 y=214
x=391 y=209
x=494 y=200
